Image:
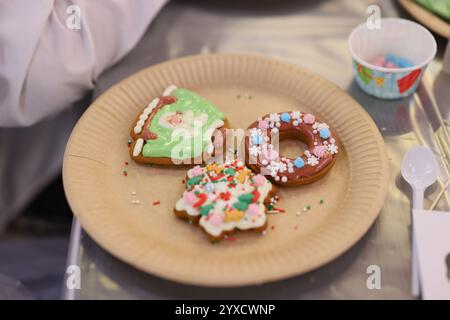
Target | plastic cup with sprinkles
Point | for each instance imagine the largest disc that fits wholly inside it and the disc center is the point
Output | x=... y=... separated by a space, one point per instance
x=389 y=62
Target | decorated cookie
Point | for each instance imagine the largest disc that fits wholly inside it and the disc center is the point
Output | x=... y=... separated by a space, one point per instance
x=263 y=157
x=176 y=128
x=222 y=198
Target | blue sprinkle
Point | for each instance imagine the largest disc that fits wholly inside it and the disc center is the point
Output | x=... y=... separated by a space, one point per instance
x=324 y=133
x=209 y=187
x=391 y=58
x=404 y=63
x=398 y=61
x=299 y=163
x=257 y=139
x=285 y=117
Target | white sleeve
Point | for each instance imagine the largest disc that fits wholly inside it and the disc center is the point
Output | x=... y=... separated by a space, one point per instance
x=45 y=66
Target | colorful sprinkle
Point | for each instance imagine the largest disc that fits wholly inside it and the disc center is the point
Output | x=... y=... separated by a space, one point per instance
x=209 y=187
x=125 y=173
x=190 y=197
x=319 y=151
x=259 y=180
x=247 y=198
x=299 y=162
x=253 y=209
x=195 y=180
x=233 y=215
x=204 y=211
x=309 y=118
x=230 y=171
x=216 y=219
x=325 y=133
x=263 y=124
x=155 y=203
x=321 y=201
x=240 y=205
x=285 y=117
x=257 y=139
x=197 y=171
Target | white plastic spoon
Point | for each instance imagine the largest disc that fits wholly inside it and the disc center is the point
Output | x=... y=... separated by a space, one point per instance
x=420 y=170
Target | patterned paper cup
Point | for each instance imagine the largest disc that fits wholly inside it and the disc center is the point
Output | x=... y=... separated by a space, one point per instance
x=399 y=37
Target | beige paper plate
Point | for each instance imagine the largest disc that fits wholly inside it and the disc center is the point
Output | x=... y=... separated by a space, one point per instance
x=427 y=18
x=152 y=239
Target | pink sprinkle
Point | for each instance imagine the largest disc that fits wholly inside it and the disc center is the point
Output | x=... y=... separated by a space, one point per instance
x=309 y=118
x=216 y=219
x=390 y=65
x=319 y=151
x=196 y=171
x=379 y=61
x=259 y=180
x=253 y=209
x=263 y=124
x=190 y=197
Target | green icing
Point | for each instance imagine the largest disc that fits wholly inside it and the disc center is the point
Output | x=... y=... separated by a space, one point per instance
x=195 y=180
x=206 y=209
x=229 y=171
x=247 y=198
x=240 y=205
x=164 y=144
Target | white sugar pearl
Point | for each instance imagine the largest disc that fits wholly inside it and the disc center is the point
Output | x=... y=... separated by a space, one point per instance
x=290 y=170
x=284 y=179
x=274 y=174
x=264 y=162
x=274 y=130
x=278 y=124
x=266 y=138
x=295 y=123
x=277 y=178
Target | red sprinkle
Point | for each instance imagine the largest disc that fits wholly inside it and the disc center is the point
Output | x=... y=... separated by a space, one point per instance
x=201 y=199
x=125 y=173
x=272 y=227
x=155 y=203
x=279 y=210
x=255 y=195
x=183 y=182
x=126 y=163
x=231 y=239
